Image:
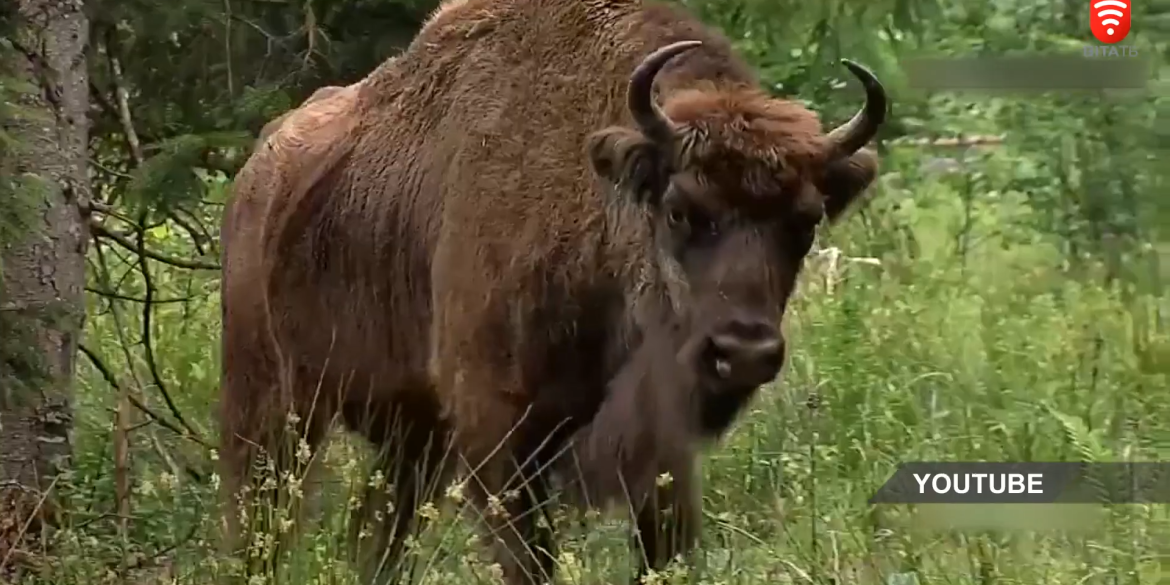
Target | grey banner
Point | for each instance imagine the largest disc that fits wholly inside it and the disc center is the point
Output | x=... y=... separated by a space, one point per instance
x=1026 y=483
x=1028 y=73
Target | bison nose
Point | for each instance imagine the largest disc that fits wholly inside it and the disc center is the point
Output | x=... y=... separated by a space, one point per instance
x=747 y=352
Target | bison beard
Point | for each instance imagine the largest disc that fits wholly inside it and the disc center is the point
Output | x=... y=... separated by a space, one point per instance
x=643 y=427
x=639 y=448
x=524 y=236
x=656 y=411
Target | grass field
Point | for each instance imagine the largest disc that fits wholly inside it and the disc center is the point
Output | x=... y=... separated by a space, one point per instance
x=968 y=336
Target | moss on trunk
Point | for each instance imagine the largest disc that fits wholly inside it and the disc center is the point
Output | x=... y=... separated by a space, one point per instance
x=43 y=188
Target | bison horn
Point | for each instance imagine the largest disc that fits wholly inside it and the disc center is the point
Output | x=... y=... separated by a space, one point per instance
x=647 y=115
x=852 y=135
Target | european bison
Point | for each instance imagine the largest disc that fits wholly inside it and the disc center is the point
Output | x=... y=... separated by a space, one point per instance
x=505 y=243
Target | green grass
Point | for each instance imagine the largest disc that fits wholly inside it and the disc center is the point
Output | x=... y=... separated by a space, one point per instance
x=1006 y=352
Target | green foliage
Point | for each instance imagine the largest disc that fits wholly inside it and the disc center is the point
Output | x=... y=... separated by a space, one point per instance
x=168 y=179
x=23 y=369
x=20 y=194
x=22 y=199
x=262 y=103
x=993 y=303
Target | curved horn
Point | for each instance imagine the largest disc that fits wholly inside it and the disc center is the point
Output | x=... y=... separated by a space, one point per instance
x=849 y=137
x=649 y=118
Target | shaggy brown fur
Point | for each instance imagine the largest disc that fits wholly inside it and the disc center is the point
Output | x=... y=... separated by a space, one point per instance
x=481 y=243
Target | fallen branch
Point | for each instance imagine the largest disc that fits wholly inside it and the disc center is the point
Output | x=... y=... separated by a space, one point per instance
x=949 y=142
x=33 y=515
x=832 y=271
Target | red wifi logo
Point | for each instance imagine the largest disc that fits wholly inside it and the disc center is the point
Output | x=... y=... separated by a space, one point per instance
x=1110 y=20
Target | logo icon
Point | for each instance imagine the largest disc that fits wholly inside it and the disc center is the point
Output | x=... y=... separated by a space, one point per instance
x=1109 y=20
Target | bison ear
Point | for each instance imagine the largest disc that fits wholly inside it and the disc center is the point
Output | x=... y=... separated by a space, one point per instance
x=627 y=160
x=846 y=180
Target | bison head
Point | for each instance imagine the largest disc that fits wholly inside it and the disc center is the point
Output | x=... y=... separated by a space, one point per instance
x=733 y=184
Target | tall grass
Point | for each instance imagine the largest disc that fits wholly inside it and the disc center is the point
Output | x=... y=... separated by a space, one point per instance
x=968 y=336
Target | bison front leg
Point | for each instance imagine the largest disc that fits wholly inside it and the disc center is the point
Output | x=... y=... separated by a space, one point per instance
x=265 y=463
x=510 y=498
x=413 y=456
x=508 y=488
x=476 y=364
x=668 y=522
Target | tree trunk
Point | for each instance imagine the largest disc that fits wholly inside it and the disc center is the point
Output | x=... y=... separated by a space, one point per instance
x=43 y=237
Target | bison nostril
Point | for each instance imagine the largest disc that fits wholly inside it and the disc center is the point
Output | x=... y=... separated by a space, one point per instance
x=747 y=337
x=747 y=330
x=739 y=348
x=745 y=351
x=752 y=349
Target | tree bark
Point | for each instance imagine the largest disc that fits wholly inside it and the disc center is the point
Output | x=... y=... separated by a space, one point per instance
x=43 y=180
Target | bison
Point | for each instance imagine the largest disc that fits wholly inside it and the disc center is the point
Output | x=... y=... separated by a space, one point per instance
x=555 y=239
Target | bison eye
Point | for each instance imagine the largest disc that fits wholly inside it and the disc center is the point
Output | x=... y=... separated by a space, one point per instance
x=676 y=217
